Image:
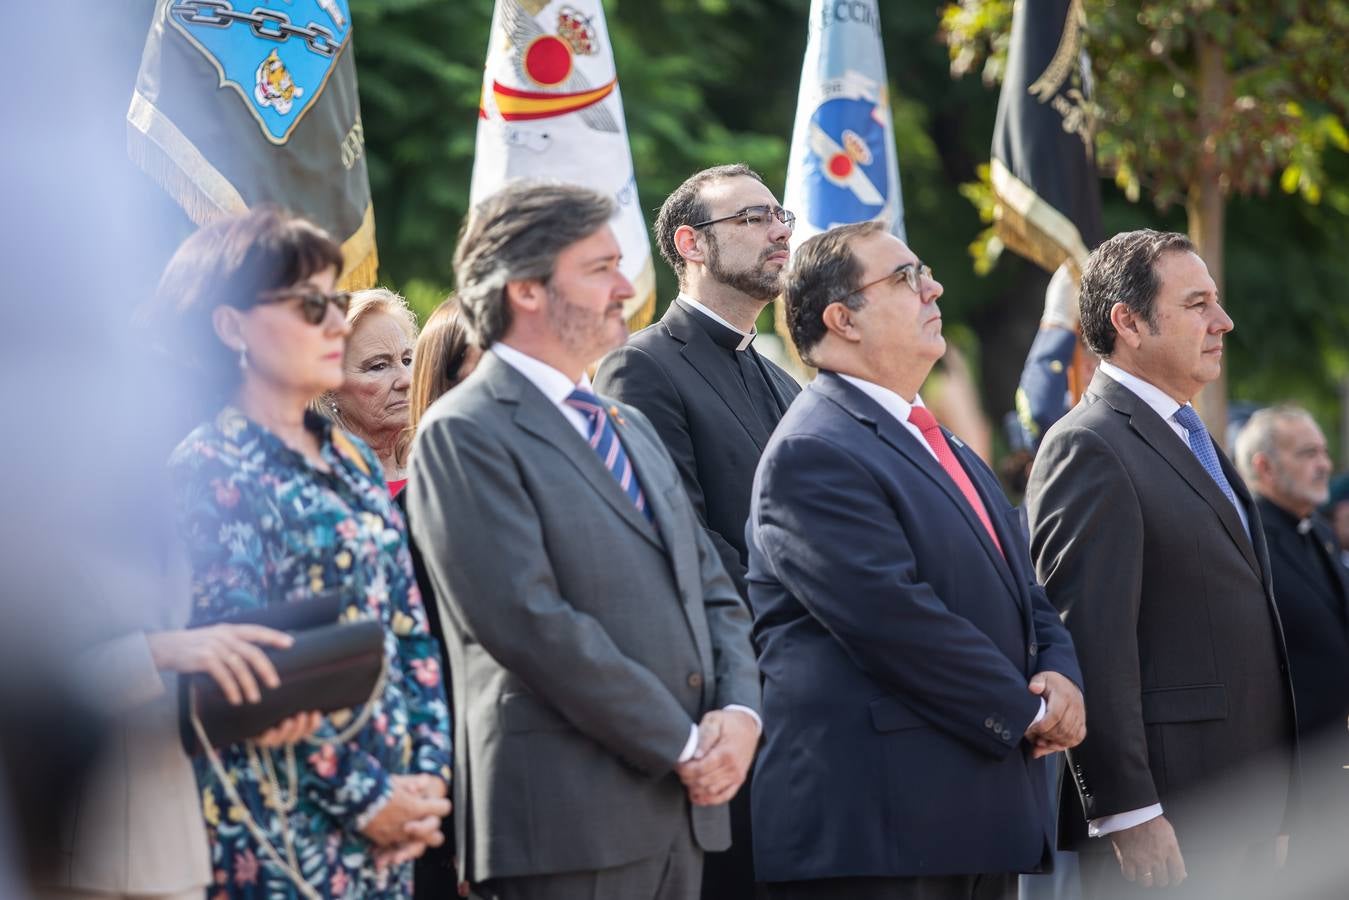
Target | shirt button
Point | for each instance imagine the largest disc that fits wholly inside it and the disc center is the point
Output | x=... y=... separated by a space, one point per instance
x=695 y=680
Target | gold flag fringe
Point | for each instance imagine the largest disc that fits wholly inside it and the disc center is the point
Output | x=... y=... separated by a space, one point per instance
x=360 y=275
x=1032 y=227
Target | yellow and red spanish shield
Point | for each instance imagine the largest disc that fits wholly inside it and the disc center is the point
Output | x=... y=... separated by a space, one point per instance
x=551 y=109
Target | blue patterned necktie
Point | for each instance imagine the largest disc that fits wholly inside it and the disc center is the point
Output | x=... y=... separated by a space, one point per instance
x=1202 y=446
x=604 y=441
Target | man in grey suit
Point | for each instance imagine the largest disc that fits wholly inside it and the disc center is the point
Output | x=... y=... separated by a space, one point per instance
x=605 y=691
x=1148 y=542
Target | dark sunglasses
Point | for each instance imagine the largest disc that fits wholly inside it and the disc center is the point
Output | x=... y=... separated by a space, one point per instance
x=313 y=304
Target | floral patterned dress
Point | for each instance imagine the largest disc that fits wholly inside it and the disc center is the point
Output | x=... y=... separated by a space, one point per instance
x=263 y=527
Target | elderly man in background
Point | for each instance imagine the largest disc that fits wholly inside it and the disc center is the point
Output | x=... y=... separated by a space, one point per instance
x=1282 y=454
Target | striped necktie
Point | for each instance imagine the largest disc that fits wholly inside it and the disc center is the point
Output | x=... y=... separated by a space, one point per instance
x=604 y=441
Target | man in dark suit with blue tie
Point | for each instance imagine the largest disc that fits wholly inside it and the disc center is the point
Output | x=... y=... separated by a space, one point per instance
x=914 y=673
x=1147 y=540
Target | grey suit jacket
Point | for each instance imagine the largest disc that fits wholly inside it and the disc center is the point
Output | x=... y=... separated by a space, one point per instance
x=1170 y=606
x=584 y=640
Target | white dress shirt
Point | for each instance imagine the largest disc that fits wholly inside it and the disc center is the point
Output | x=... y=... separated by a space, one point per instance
x=556 y=386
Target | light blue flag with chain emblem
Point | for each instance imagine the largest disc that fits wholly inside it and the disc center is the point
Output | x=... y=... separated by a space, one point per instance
x=843 y=167
x=242 y=102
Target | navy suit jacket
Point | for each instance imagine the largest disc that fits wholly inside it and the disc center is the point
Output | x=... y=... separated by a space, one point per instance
x=896 y=644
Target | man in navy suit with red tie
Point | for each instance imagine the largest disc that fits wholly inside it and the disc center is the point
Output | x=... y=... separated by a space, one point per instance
x=914 y=672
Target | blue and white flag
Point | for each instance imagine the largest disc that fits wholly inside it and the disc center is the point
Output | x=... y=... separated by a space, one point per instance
x=843 y=167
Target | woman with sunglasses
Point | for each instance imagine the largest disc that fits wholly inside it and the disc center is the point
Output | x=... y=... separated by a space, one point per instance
x=278 y=506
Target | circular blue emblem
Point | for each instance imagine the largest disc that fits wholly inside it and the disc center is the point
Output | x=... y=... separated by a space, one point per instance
x=847 y=177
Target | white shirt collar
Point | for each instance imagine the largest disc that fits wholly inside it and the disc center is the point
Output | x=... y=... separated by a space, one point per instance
x=1161 y=402
x=555 y=385
x=894 y=404
x=746 y=337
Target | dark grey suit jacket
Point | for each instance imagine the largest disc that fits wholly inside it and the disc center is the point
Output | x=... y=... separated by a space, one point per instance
x=585 y=641
x=1170 y=607
x=675 y=373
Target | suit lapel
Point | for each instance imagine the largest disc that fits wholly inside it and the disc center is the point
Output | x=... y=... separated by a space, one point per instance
x=1169 y=445
x=897 y=436
x=706 y=358
x=536 y=415
x=646 y=457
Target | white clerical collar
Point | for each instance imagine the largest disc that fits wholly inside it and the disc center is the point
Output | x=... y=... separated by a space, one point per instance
x=1162 y=403
x=746 y=337
x=555 y=385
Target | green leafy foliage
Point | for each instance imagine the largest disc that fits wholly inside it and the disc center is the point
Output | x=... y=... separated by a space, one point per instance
x=1275 y=116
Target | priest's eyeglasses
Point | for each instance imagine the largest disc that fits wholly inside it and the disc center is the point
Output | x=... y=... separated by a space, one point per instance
x=755 y=215
x=912 y=273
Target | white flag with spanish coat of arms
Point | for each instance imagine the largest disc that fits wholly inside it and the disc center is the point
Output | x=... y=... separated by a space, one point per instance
x=551 y=109
x=842 y=166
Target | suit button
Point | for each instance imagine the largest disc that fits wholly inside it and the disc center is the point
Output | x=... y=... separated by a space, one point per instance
x=695 y=680
x=1032 y=650
x=988 y=723
x=1006 y=735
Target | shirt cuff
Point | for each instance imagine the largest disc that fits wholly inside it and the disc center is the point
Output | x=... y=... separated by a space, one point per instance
x=1120 y=821
x=753 y=715
x=690 y=747
x=1038 y=716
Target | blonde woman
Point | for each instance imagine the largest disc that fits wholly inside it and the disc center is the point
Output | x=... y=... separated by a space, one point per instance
x=372 y=402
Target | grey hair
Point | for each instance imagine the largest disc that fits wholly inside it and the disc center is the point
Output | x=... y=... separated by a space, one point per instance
x=1260 y=434
x=363 y=303
x=1123 y=270
x=516 y=235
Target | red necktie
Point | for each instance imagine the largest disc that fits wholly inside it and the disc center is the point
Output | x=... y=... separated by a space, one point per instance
x=932 y=432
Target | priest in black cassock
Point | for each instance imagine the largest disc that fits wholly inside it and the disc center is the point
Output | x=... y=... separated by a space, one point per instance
x=712 y=397
x=1282 y=454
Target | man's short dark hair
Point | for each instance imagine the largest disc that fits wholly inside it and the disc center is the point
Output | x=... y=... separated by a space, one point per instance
x=516 y=235
x=686 y=206
x=1123 y=270
x=824 y=270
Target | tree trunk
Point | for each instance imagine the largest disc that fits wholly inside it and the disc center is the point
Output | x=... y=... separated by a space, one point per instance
x=1206 y=211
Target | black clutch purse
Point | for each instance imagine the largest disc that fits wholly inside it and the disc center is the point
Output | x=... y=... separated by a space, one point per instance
x=331 y=666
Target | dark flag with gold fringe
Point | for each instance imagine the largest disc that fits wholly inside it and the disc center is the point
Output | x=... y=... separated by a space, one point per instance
x=1043 y=169
x=241 y=102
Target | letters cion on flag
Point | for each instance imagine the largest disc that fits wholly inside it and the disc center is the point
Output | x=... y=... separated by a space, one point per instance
x=842 y=167
x=240 y=102
x=1043 y=169
x=551 y=110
